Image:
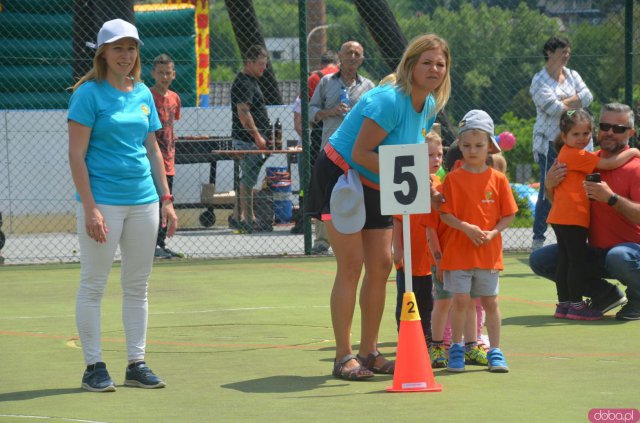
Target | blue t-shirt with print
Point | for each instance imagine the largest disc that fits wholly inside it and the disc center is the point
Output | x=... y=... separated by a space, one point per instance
x=119 y=170
x=390 y=108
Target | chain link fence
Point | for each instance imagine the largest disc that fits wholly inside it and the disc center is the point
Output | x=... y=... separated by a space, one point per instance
x=496 y=50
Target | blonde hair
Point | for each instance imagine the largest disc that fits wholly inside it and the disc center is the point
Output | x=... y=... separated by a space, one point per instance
x=403 y=74
x=433 y=138
x=99 y=70
x=498 y=162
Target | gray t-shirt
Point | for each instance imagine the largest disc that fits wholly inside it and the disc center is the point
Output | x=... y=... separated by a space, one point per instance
x=327 y=96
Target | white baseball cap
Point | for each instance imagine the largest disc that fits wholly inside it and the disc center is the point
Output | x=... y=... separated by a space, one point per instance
x=347 y=203
x=114 y=30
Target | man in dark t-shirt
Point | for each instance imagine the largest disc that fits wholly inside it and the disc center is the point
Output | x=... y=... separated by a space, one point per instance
x=250 y=127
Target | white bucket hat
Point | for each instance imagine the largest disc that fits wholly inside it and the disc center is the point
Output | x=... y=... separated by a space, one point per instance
x=114 y=30
x=347 y=203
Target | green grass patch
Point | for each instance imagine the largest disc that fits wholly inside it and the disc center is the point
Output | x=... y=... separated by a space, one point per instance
x=242 y=340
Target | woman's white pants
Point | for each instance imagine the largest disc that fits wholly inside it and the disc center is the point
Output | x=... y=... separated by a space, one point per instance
x=134 y=229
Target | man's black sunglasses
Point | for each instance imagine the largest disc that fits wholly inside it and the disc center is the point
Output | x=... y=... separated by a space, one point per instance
x=617 y=129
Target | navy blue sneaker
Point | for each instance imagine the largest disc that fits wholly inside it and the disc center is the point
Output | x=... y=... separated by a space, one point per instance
x=456 y=358
x=631 y=311
x=612 y=299
x=141 y=376
x=497 y=362
x=96 y=379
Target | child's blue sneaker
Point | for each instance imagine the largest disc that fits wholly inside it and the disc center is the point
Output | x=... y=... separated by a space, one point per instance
x=497 y=362
x=456 y=358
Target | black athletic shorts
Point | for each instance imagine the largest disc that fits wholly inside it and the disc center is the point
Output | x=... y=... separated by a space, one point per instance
x=318 y=202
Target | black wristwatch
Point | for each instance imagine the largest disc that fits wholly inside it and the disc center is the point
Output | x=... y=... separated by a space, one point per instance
x=613 y=199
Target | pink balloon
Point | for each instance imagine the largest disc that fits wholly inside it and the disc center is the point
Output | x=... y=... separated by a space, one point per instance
x=507 y=141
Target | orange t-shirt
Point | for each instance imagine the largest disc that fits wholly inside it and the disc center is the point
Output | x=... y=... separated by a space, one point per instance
x=421 y=260
x=420 y=255
x=433 y=221
x=570 y=202
x=481 y=199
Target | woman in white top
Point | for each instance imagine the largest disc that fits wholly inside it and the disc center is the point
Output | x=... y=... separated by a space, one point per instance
x=554 y=89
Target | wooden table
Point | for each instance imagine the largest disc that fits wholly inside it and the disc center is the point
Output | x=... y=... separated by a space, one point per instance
x=237 y=155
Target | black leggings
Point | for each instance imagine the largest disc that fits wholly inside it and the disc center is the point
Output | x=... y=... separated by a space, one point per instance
x=573 y=271
x=162 y=232
x=422 y=286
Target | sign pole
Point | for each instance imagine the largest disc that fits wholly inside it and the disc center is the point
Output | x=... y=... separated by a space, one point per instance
x=406 y=242
x=404 y=190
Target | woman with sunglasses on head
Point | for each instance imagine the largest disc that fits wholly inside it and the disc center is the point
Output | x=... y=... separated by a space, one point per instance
x=554 y=89
x=570 y=212
x=118 y=172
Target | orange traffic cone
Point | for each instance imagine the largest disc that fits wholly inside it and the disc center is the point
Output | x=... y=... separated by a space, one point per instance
x=413 y=372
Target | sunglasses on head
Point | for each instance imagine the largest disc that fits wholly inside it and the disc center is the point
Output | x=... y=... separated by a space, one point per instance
x=617 y=129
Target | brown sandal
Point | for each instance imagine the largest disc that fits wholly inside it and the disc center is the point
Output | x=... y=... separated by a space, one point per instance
x=369 y=362
x=357 y=373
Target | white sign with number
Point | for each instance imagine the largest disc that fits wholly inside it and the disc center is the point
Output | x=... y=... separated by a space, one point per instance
x=404 y=179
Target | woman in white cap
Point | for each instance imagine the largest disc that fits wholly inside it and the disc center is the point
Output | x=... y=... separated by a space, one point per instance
x=119 y=176
x=400 y=111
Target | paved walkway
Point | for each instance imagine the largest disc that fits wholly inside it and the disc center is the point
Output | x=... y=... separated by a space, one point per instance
x=209 y=243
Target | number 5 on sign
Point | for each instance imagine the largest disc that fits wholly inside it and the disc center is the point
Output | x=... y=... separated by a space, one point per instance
x=404 y=179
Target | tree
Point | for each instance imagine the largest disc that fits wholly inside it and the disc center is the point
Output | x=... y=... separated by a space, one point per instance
x=88 y=17
x=248 y=32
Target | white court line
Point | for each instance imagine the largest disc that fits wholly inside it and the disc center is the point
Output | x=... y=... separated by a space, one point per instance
x=223 y=310
x=36 y=317
x=235 y=309
x=24 y=416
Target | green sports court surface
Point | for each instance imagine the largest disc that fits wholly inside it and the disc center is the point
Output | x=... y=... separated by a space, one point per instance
x=251 y=340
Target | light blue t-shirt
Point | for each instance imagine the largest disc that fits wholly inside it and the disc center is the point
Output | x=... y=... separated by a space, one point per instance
x=119 y=170
x=390 y=108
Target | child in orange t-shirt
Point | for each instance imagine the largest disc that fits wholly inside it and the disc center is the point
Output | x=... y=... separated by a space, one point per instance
x=437 y=232
x=478 y=205
x=420 y=255
x=475 y=343
x=569 y=215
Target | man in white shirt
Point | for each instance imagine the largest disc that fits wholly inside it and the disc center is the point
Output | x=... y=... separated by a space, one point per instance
x=328 y=107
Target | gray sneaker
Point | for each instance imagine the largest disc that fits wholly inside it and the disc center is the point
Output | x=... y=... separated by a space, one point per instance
x=630 y=311
x=140 y=375
x=96 y=379
x=320 y=249
x=160 y=253
x=173 y=253
x=537 y=244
